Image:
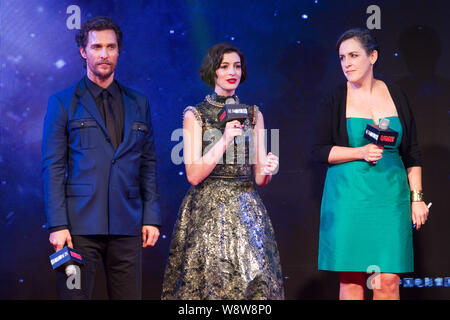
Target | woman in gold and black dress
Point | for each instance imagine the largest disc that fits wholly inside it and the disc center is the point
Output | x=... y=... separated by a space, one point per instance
x=223 y=245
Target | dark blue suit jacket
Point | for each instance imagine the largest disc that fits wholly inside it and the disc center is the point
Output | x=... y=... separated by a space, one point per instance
x=87 y=185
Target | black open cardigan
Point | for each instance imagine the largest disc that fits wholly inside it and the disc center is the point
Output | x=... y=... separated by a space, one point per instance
x=331 y=126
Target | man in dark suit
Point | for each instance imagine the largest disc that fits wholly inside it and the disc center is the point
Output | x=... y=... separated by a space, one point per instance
x=99 y=170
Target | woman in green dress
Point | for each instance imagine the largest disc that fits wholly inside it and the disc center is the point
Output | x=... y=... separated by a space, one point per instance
x=223 y=245
x=372 y=194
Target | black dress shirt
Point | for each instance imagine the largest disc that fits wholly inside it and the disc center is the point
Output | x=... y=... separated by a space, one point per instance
x=115 y=101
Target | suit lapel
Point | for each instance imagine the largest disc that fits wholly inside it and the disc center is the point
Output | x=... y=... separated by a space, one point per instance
x=89 y=104
x=130 y=109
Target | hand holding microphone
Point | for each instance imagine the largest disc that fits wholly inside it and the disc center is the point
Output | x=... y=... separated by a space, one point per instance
x=372 y=153
x=232 y=116
x=64 y=258
x=232 y=111
x=380 y=136
x=59 y=238
x=232 y=130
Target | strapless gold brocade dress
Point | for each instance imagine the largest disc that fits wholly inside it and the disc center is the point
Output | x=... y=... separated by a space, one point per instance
x=223 y=245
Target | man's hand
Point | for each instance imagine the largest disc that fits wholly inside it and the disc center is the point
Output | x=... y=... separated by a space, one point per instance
x=150 y=235
x=59 y=238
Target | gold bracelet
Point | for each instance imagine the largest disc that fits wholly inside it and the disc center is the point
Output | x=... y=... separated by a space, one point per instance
x=416 y=195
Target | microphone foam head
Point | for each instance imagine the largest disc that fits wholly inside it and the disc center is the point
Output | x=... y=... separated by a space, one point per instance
x=384 y=124
x=71 y=270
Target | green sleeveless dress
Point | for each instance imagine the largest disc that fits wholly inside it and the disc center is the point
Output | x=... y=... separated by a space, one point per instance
x=365 y=222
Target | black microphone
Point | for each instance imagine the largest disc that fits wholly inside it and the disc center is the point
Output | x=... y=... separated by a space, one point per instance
x=381 y=135
x=65 y=260
x=232 y=111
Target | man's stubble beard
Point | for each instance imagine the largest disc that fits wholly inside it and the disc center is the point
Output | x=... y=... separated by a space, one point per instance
x=104 y=76
x=99 y=74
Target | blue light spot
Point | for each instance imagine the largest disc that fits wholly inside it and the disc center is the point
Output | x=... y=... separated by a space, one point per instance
x=232 y=38
x=395 y=54
x=180 y=173
x=305 y=16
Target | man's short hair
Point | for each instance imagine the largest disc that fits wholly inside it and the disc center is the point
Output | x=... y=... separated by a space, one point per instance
x=97 y=24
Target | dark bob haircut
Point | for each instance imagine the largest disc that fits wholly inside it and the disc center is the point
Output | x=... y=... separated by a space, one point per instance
x=97 y=24
x=364 y=36
x=213 y=59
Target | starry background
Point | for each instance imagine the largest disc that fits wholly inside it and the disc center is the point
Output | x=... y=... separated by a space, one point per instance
x=289 y=46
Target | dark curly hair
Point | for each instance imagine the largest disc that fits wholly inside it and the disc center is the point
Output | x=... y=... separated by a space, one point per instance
x=364 y=36
x=213 y=59
x=97 y=24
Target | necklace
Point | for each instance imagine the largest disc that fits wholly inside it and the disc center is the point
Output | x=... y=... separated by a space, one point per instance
x=216 y=104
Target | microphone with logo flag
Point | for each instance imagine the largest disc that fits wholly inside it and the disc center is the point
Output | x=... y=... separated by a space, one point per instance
x=65 y=260
x=232 y=111
x=380 y=134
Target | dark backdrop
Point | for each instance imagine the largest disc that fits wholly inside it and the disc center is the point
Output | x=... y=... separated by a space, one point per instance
x=292 y=63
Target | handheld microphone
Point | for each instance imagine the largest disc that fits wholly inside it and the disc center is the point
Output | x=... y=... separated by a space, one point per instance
x=232 y=111
x=381 y=135
x=65 y=260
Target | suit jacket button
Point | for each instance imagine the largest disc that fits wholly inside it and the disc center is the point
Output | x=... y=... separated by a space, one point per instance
x=108 y=140
x=113 y=161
